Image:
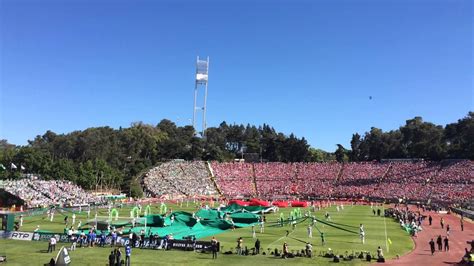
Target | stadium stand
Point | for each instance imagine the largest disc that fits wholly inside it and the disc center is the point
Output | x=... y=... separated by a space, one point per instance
x=177 y=179
x=40 y=193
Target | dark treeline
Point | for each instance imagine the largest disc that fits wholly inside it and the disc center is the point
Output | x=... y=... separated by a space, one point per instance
x=111 y=158
x=416 y=139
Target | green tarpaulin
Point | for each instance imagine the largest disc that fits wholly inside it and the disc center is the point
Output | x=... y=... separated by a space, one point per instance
x=209 y=214
x=185 y=225
x=244 y=217
x=237 y=208
x=155 y=220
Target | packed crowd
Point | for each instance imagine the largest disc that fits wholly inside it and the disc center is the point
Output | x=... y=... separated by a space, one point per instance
x=363 y=170
x=316 y=177
x=41 y=193
x=435 y=181
x=457 y=172
x=450 y=182
x=179 y=179
x=234 y=179
x=439 y=182
x=274 y=179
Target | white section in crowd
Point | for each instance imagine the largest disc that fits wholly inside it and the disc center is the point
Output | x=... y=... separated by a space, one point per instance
x=41 y=193
x=179 y=178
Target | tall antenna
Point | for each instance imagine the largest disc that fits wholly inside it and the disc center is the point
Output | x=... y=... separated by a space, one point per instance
x=202 y=71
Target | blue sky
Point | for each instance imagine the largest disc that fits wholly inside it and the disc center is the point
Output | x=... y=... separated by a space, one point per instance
x=307 y=67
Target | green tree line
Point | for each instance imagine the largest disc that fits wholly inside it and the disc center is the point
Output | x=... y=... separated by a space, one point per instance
x=415 y=139
x=103 y=157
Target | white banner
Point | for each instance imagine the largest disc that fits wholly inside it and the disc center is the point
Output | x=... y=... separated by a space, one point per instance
x=21 y=236
x=16 y=235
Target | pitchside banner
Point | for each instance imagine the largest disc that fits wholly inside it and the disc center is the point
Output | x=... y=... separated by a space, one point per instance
x=186 y=245
x=16 y=235
x=173 y=244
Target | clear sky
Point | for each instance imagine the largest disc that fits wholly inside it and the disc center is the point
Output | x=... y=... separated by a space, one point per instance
x=307 y=67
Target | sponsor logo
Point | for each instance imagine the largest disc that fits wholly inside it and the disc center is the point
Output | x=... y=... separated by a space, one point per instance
x=16 y=235
x=21 y=236
x=47 y=236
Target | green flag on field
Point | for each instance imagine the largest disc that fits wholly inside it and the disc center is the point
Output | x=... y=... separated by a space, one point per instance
x=389 y=241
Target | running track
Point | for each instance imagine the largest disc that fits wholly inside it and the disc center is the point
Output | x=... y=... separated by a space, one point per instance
x=421 y=254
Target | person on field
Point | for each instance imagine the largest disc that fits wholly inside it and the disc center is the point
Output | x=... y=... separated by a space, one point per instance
x=432 y=247
x=439 y=241
x=118 y=257
x=239 y=246
x=214 y=247
x=309 y=250
x=73 y=240
x=362 y=233
x=128 y=254
x=257 y=246
x=285 y=250
x=379 y=253
x=52 y=244
x=430 y=220
x=112 y=258
x=446 y=244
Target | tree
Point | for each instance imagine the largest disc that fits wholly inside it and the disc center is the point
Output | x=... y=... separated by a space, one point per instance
x=341 y=154
x=318 y=155
x=423 y=140
x=459 y=138
x=356 y=153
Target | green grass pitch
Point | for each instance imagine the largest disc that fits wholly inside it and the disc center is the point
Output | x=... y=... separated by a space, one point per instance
x=376 y=228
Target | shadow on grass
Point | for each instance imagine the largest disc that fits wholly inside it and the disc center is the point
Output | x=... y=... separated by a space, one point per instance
x=205 y=258
x=44 y=251
x=338 y=241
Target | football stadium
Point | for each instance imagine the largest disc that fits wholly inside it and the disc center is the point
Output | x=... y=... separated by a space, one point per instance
x=321 y=133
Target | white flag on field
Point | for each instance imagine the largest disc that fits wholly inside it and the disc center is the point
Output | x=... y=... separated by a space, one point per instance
x=13 y=166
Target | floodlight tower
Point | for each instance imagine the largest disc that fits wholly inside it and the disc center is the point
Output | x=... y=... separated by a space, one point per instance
x=202 y=70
